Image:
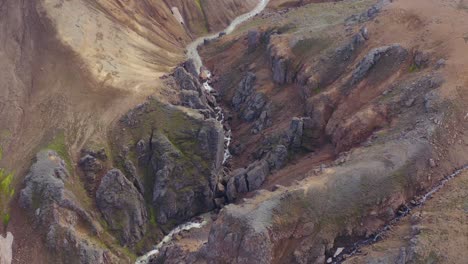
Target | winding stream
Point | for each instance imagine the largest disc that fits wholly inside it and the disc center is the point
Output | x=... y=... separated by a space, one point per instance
x=192 y=53
x=192 y=48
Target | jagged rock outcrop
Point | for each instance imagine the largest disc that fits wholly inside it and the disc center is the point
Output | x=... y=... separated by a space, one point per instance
x=122 y=206
x=249 y=103
x=187 y=81
x=395 y=54
x=280 y=64
x=253 y=40
x=179 y=154
x=253 y=107
x=192 y=99
x=58 y=213
x=244 y=90
x=263 y=121
x=367 y=15
x=296 y=131
x=178 y=192
x=248 y=179
x=91 y=167
x=312 y=77
x=277 y=157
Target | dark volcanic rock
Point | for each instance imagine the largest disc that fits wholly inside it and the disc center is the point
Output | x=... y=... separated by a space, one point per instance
x=332 y=66
x=256 y=174
x=253 y=107
x=253 y=39
x=189 y=66
x=180 y=152
x=367 y=15
x=192 y=99
x=247 y=101
x=277 y=157
x=90 y=166
x=244 y=90
x=186 y=81
x=251 y=178
x=280 y=70
x=122 y=206
x=394 y=53
x=57 y=212
x=296 y=131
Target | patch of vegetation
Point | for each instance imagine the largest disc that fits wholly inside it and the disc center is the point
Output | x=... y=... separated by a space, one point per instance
x=286 y=28
x=413 y=68
x=310 y=46
x=204 y=28
x=58 y=144
x=6 y=193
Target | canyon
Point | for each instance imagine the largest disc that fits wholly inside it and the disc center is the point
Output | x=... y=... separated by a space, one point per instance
x=231 y=131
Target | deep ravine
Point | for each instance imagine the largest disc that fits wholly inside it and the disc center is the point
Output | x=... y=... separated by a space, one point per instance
x=192 y=53
x=341 y=253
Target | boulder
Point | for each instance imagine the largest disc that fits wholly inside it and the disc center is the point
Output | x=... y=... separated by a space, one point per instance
x=277 y=157
x=421 y=59
x=122 y=206
x=249 y=179
x=256 y=174
x=236 y=184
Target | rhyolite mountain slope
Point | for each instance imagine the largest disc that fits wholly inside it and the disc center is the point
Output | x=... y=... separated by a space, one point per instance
x=70 y=70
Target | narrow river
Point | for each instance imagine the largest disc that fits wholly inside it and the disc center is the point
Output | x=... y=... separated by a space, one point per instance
x=192 y=53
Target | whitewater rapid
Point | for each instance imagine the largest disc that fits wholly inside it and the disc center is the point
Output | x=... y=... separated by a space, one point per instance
x=185 y=227
x=192 y=53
